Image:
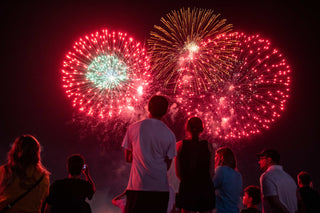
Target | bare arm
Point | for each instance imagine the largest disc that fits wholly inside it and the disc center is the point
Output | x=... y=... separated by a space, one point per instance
x=118 y=197
x=178 y=170
x=128 y=155
x=46 y=208
x=88 y=178
x=276 y=204
x=168 y=162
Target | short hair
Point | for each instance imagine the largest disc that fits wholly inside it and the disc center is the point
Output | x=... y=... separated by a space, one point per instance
x=271 y=153
x=228 y=157
x=75 y=164
x=305 y=178
x=194 y=125
x=158 y=106
x=254 y=192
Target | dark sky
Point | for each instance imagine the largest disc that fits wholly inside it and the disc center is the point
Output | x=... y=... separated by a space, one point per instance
x=36 y=36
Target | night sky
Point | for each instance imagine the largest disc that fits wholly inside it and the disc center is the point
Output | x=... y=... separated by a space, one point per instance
x=36 y=36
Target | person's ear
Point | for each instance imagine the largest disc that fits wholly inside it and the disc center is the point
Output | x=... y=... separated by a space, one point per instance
x=269 y=160
x=250 y=199
x=221 y=160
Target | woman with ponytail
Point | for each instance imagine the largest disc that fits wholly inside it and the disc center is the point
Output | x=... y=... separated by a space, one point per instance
x=195 y=169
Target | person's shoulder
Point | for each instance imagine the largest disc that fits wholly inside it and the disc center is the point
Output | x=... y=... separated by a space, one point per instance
x=220 y=169
x=60 y=182
x=137 y=123
x=82 y=182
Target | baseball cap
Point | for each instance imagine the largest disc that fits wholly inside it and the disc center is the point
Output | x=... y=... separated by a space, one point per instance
x=271 y=153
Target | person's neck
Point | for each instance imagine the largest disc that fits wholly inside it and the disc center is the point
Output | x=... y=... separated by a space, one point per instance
x=154 y=117
x=250 y=205
x=74 y=176
x=301 y=185
x=193 y=137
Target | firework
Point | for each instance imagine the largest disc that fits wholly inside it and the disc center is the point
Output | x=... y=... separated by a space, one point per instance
x=251 y=97
x=180 y=54
x=106 y=75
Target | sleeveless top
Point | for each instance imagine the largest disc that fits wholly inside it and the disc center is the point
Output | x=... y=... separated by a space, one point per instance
x=196 y=190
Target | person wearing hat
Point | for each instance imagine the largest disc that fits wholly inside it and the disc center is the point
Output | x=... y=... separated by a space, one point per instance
x=278 y=188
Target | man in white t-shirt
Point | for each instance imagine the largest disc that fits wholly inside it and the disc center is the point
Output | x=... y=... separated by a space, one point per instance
x=278 y=188
x=150 y=146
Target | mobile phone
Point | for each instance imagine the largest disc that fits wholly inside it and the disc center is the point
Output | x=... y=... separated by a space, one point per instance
x=84 y=166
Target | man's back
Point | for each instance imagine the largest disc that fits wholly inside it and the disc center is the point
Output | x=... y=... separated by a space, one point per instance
x=276 y=182
x=150 y=141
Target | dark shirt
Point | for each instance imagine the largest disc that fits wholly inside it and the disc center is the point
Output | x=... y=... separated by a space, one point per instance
x=310 y=198
x=250 y=210
x=196 y=191
x=68 y=195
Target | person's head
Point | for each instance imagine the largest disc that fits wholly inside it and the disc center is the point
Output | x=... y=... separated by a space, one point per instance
x=158 y=106
x=304 y=179
x=194 y=126
x=225 y=157
x=267 y=158
x=251 y=197
x=25 y=152
x=75 y=164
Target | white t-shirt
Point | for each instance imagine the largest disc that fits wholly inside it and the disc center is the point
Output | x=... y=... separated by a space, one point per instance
x=276 y=182
x=151 y=142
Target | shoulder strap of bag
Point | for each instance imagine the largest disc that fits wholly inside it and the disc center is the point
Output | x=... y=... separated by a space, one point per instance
x=9 y=206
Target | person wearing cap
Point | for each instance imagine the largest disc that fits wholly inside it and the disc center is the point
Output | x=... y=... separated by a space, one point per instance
x=278 y=188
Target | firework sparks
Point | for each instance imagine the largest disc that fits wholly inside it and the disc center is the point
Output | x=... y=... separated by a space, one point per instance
x=183 y=56
x=250 y=98
x=106 y=75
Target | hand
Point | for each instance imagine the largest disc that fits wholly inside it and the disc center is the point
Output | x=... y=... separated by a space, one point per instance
x=86 y=171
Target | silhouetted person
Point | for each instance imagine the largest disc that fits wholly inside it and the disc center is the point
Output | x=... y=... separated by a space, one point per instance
x=310 y=197
x=279 y=190
x=23 y=172
x=150 y=146
x=195 y=169
x=69 y=195
x=251 y=199
x=227 y=181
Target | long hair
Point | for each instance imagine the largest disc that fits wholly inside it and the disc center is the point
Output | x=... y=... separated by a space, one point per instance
x=228 y=157
x=25 y=152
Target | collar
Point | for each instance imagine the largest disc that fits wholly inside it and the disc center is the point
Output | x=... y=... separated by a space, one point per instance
x=274 y=167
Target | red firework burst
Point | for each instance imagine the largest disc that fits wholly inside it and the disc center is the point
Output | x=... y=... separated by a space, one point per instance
x=250 y=98
x=106 y=74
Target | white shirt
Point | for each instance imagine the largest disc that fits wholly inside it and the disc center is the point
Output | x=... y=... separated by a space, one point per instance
x=276 y=182
x=151 y=142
